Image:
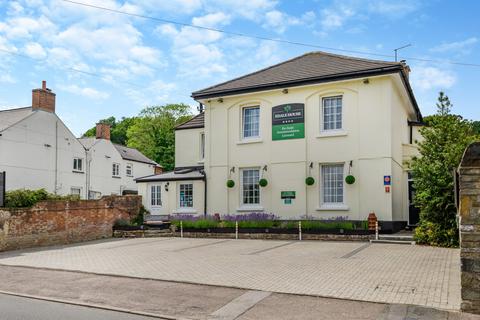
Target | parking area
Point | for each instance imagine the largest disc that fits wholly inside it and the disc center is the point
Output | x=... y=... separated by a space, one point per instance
x=386 y=273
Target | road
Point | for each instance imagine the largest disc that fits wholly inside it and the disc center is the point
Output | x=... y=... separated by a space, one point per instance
x=19 y=308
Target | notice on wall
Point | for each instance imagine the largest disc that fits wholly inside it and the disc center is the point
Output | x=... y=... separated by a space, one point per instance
x=288 y=121
x=2 y=189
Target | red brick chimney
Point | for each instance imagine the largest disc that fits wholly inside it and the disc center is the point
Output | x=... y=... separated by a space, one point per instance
x=103 y=131
x=43 y=98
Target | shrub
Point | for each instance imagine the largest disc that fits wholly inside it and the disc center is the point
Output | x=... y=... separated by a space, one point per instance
x=121 y=223
x=139 y=218
x=23 y=198
x=435 y=234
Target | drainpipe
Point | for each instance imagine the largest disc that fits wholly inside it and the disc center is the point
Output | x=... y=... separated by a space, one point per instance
x=56 y=157
x=204 y=193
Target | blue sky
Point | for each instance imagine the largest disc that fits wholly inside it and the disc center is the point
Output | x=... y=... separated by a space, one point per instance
x=133 y=62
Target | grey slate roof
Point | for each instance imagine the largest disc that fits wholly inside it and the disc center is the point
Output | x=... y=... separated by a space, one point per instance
x=133 y=154
x=172 y=176
x=313 y=66
x=196 y=122
x=12 y=116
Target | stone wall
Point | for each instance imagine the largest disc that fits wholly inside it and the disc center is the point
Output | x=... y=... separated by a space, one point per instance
x=469 y=212
x=62 y=222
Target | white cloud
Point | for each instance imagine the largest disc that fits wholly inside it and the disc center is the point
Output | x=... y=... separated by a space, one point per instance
x=173 y=7
x=212 y=20
x=394 y=9
x=35 y=50
x=333 y=18
x=250 y=9
x=84 y=91
x=463 y=47
x=428 y=77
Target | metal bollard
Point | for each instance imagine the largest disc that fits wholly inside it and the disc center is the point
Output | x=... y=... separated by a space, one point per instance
x=376 y=230
x=300 y=230
x=236 y=229
x=181 y=229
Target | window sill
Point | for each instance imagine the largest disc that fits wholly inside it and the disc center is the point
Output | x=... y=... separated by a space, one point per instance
x=248 y=141
x=129 y=176
x=201 y=161
x=185 y=210
x=332 y=133
x=250 y=208
x=116 y=177
x=76 y=171
x=333 y=207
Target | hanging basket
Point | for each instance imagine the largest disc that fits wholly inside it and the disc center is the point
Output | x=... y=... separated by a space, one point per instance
x=263 y=182
x=309 y=181
x=350 y=179
x=230 y=183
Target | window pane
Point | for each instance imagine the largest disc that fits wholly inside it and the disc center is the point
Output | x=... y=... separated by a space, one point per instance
x=332 y=113
x=250 y=186
x=251 y=122
x=332 y=183
x=186 y=195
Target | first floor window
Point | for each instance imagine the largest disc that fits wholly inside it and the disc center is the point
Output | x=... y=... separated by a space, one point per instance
x=78 y=164
x=202 y=146
x=332 y=183
x=250 y=186
x=251 y=122
x=115 y=170
x=186 y=195
x=332 y=113
x=75 y=191
x=129 y=170
x=156 y=195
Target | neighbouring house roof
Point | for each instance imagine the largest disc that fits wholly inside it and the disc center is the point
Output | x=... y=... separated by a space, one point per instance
x=196 y=122
x=310 y=68
x=126 y=153
x=173 y=176
x=12 y=116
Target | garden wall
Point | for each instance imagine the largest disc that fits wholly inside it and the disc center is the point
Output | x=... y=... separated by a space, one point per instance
x=62 y=222
x=469 y=211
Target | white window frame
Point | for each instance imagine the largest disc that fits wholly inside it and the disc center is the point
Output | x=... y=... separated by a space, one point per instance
x=242 y=124
x=75 y=162
x=250 y=206
x=156 y=195
x=115 y=172
x=202 y=146
x=179 y=196
x=129 y=166
x=332 y=205
x=76 y=194
x=322 y=114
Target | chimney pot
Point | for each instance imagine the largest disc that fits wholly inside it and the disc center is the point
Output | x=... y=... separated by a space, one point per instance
x=102 y=131
x=43 y=98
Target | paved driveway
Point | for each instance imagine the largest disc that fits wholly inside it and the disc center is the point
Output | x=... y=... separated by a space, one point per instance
x=349 y=270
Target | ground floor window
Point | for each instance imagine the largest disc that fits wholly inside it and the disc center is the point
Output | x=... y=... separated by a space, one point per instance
x=76 y=191
x=186 y=195
x=250 y=187
x=332 y=183
x=93 y=195
x=156 y=195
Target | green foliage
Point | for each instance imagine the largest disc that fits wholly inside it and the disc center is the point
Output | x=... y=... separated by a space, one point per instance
x=350 y=179
x=309 y=181
x=230 y=183
x=445 y=138
x=263 y=182
x=23 y=198
x=121 y=223
x=152 y=133
x=196 y=224
x=139 y=218
x=118 y=129
x=326 y=225
x=436 y=235
x=476 y=127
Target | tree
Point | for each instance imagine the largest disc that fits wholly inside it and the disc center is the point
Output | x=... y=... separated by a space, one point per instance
x=476 y=126
x=445 y=138
x=153 y=132
x=118 y=129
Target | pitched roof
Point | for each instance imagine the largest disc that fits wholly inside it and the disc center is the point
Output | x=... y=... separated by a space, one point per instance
x=196 y=122
x=173 y=176
x=12 y=116
x=313 y=67
x=133 y=154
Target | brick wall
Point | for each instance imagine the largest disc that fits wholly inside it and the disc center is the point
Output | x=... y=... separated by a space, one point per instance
x=469 y=211
x=62 y=222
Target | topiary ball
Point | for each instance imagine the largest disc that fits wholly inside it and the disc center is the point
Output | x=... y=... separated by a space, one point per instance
x=350 y=179
x=230 y=183
x=263 y=182
x=309 y=181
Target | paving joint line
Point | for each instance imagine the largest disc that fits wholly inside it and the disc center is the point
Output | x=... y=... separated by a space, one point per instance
x=136 y=244
x=92 y=305
x=354 y=252
x=272 y=248
x=201 y=245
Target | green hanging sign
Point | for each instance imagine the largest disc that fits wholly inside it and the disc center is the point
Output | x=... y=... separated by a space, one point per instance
x=288 y=121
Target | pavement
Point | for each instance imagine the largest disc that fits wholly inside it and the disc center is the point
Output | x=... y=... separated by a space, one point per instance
x=37 y=294
x=382 y=273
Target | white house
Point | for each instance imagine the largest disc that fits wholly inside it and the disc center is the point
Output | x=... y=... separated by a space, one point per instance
x=38 y=151
x=319 y=116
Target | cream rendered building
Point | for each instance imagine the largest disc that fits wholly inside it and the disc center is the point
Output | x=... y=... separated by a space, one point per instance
x=319 y=115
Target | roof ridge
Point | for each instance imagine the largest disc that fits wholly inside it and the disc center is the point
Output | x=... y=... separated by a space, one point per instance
x=14 y=109
x=296 y=58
